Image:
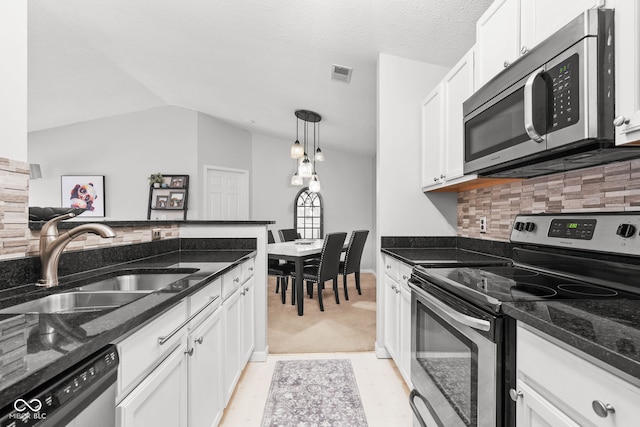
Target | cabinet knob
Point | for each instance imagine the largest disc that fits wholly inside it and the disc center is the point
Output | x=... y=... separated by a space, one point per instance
x=189 y=352
x=524 y=50
x=250 y=268
x=620 y=120
x=388 y=267
x=397 y=291
x=199 y=340
x=404 y=277
x=435 y=179
x=515 y=394
x=602 y=409
x=236 y=280
x=442 y=176
x=393 y=287
x=246 y=289
x=506 y=64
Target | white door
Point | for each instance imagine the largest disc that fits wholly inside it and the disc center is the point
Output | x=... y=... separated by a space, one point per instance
x=226 y=193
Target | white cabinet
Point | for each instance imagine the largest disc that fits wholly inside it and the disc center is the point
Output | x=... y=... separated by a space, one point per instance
x=510 y=28
x=206 y=400
x=161 y=399
x=627 y=39
x=443 y=127
x=397 y=315
x=239 y=329
x=558 y=386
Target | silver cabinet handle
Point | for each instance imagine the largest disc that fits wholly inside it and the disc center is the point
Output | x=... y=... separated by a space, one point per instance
x=405 y=277
x=524 y=50
x=621 y=120
x=250 y=268
x=199 y=340
x=506 y=64
x=515 y=394
x=442 y=176
x=236 y=280
x=393 y=287
x=602 y=409
x=189 y=352
x=528 y=106
x=435 y=179
x=388 y=267
x=163 y=339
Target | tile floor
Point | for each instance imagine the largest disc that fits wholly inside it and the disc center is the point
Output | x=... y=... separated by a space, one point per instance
x=384 y=395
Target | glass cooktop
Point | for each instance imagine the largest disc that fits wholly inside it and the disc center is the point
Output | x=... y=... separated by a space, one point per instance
x=434 y=257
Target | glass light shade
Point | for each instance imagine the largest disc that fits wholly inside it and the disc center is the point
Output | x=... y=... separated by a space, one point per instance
x=314 y=184
x=297 y=150
x=296 y=179
x=319 y=156
x=305 y=169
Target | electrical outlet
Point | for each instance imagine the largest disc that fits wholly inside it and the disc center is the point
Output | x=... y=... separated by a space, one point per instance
x=483 y=224
x=156 y=234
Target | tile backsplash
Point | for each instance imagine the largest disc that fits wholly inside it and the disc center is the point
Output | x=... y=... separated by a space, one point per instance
x=612 y=187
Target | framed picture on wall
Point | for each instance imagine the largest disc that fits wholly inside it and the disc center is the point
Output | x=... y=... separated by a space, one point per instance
x=176 y=199
x=85 y=192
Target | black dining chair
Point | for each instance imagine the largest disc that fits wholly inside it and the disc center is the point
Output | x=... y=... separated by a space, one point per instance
x=327 y=269
x=352 y=258
x=281 y=271
x=288 y=234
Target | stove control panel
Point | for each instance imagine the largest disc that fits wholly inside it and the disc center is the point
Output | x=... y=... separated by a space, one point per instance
x=572 y=228
x=617 y=232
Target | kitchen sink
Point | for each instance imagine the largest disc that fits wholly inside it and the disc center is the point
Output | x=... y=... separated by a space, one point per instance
x=134 y=282
x=74 y=302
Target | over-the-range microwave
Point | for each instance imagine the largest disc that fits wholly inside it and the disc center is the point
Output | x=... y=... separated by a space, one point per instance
x=552 y=110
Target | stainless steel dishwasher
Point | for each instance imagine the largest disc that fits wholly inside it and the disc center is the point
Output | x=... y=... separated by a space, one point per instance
x=82 y=395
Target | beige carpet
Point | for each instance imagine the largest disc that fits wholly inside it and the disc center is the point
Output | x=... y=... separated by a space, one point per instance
x=345 y=327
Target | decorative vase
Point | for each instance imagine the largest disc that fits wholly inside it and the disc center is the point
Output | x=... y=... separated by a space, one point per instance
x=156 y=185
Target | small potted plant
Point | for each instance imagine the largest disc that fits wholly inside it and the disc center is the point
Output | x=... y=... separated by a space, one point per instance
x=155 y=179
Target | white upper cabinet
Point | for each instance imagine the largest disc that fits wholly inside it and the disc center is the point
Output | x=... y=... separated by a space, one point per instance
x=443 y=127
x=627 y=39
x=497 y=39
x=511 y=28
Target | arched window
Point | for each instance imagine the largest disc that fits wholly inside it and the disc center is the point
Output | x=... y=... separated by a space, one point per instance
x=307 y=217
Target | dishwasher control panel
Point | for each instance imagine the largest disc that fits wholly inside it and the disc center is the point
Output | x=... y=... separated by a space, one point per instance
x=87 y=378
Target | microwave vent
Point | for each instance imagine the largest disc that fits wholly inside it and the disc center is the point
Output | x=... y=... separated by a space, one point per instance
x=340 y=72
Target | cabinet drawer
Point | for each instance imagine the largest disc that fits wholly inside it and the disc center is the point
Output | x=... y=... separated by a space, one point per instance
x=231 y=281
x=247 y=268
x=204 y=295
x=572 y=383
x=392 y=267
x=141 y=351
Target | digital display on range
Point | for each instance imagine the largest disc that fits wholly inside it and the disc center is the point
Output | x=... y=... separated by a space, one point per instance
x=572 y=228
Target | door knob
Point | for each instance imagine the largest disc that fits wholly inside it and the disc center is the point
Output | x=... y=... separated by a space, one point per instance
x=515 y=394
x=602 y=409
x=620 y=120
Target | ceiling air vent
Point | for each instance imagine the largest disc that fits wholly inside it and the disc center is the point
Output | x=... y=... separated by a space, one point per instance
x=340 y=72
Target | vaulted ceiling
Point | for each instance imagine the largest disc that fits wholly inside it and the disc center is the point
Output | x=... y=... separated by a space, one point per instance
x=251 y=63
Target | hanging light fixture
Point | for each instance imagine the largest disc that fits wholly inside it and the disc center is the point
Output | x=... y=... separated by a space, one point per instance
x=319 y=156
x=306 y=169
x=297 y=151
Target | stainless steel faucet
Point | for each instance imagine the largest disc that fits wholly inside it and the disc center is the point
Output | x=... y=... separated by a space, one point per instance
x=52 y=244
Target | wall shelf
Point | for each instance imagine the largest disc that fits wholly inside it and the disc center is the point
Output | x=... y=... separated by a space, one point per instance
x=169 y=200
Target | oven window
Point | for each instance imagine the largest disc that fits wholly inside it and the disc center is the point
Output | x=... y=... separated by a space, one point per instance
x=450 y=360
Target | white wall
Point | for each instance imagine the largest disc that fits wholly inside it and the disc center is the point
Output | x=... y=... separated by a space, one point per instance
x=13 y=80
x=347 y=180
x=402 y=208
x=126 y=149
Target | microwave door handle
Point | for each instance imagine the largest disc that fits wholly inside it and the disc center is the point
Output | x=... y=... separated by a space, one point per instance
x=528 y=107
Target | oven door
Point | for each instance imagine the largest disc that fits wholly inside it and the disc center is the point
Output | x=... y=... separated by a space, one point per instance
x=454 y=360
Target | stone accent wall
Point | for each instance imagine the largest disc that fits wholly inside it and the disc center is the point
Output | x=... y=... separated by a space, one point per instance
x=17 y=241
x=14 y=208
x=612 y=187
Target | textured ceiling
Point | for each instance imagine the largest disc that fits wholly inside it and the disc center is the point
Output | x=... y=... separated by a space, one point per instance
x=249 y=62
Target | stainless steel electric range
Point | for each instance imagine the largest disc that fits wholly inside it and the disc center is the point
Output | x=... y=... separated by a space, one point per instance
x=463 y=347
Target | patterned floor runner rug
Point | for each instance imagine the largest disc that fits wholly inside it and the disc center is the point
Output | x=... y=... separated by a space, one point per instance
x=310 y=393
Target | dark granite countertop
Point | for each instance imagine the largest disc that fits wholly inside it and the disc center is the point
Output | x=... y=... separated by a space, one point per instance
x=37 y=225
x=27 y=360
x=607 y=330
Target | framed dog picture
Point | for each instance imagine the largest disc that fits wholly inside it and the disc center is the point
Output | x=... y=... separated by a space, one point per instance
x=85 y=192
x=176 y=199
x=177 y=182
x=162 y=202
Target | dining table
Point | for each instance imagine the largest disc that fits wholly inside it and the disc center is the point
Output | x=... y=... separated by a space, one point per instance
x=297 y=251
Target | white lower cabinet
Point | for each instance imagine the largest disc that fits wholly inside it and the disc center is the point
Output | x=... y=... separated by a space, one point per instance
x=247 y=330
x=206 y=400
x=161 y=399
x=558 y=386
x=231 y=343
x=397 y=315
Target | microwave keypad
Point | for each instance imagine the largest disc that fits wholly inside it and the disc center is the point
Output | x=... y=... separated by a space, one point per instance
x=565 y=101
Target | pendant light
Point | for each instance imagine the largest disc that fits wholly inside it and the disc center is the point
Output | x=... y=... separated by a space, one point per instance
x=318 y=154
x=306 y=169
x=297 y=151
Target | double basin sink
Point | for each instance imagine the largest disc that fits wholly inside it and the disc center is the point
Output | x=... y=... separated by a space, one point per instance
x=104 y=294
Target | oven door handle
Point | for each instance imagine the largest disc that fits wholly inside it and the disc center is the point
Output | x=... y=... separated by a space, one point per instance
x=472 y=322
x=414 y=393
x=528 y=107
